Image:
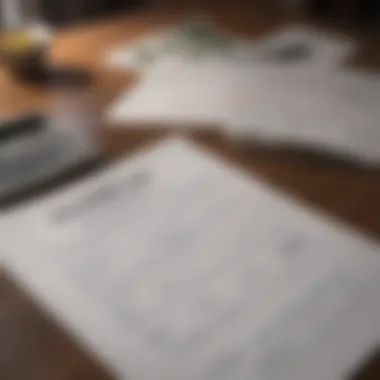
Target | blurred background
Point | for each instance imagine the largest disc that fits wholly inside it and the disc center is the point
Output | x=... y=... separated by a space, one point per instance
x=288 y=89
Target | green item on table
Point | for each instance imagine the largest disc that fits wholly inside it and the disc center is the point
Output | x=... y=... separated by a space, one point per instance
x=192 y=39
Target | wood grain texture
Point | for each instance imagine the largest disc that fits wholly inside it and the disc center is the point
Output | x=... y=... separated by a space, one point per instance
x=32 y=347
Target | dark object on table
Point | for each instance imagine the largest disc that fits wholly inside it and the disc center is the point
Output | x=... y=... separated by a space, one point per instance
x=33 y=68
x=29 y=66
x=19 y=128
x=290 y=53
x=33 y=154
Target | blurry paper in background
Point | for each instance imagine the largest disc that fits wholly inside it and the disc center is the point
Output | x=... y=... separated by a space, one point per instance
x=330 y=110
x=179 y=93
x=199 y=39
x=301 y=45
x=192 y=40
x=173 y=265
x=288 y=88
x=336 y=112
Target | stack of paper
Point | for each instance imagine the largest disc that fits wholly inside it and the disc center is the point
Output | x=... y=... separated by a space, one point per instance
x=286 y=88
x=174 y=266
x=332 y=110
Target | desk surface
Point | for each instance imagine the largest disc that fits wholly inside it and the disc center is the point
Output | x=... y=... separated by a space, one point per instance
x=42 y=350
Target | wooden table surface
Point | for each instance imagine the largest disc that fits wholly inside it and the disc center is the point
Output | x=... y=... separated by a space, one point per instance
x=34 y=347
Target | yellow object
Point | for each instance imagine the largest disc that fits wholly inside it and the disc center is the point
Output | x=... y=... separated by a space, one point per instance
x=16 y=42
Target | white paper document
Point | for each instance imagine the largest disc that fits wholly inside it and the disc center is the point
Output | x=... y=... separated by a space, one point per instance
x=175 y=92
x=172 y=265
x=336 y=111
x=331 y=110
